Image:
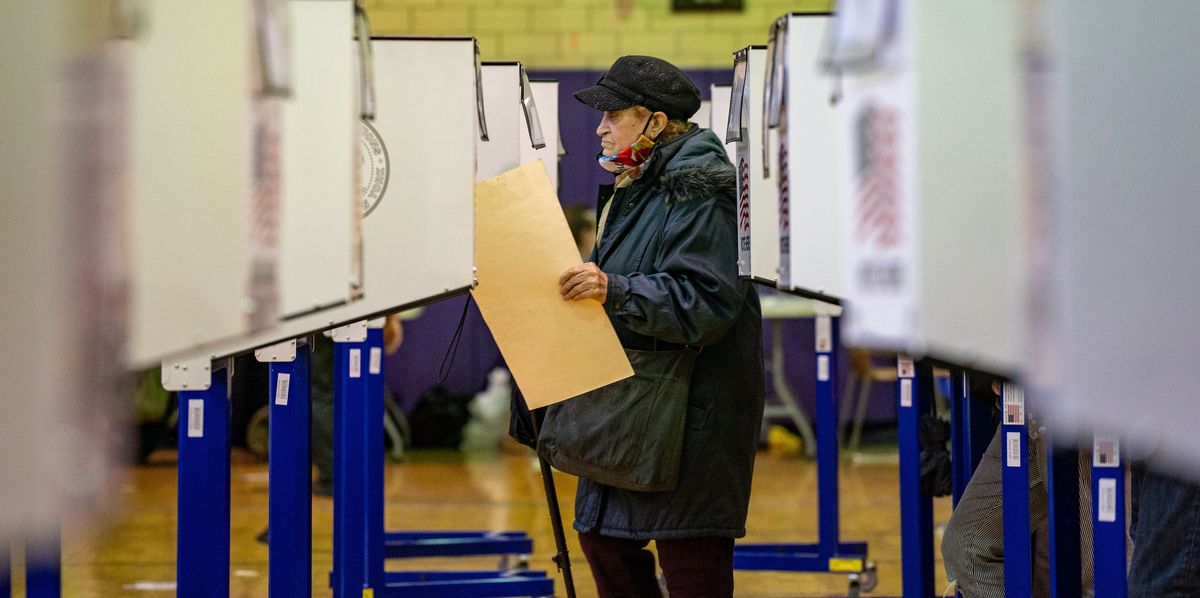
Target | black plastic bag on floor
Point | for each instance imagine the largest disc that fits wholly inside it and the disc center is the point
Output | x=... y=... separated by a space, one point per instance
x=438 y=419
x=935 y=457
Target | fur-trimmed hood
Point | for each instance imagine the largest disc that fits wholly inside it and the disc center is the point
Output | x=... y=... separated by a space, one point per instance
x=693 y=166
x=705 y=180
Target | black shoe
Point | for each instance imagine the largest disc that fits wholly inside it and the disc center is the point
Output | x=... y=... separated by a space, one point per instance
x=264 y=537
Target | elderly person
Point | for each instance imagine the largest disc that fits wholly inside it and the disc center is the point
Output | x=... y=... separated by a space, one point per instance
x=665 y=269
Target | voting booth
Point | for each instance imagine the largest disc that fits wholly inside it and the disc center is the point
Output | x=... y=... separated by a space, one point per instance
x=64 y=273
x=545 y=97
x=931 y=180
x=801 y=110
x=759 y=240
x=1113 y=226
x=509 y=104
x=320 y=215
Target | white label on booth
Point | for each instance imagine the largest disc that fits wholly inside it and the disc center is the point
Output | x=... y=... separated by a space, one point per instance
x=906 y=392
x=1013 y=440
x=1014 y=405
x=355 y=363
x=376 y=362
x=904 y=367
x=824 y=334
x=1106 y=452
x=822 y=368
x=1107 y=509
x=195 y=415
x=282 y=384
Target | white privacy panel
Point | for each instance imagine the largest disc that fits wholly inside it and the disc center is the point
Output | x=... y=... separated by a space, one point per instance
x=1116 y=270
x=809 y=187
x=759 y=239
x=718 y=116
x=932 y=181
x=320 y=141
x=545 y=96
x=703 y=116
x=502 y=105
x=62 y=308
x=419 y=235
x=191 y=186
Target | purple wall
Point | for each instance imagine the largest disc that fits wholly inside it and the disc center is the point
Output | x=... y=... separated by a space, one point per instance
x=414 y=369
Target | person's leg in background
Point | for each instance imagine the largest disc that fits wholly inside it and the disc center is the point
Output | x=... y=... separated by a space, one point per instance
x=973 y=544
x=697 y=567
x=1166 y=541
x=622 y=568
x=321 y=401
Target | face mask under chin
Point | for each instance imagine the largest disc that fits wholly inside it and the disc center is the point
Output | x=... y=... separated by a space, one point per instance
x=630 y=156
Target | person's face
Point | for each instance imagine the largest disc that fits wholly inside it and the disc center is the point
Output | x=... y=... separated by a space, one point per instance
x=620 y=128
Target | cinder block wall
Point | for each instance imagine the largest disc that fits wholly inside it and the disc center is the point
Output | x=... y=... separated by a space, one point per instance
x=588 y=34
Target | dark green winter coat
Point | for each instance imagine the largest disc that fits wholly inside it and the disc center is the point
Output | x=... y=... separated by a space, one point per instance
x=670 y=252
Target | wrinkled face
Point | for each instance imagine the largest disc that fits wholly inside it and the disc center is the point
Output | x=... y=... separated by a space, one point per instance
x=620 y=128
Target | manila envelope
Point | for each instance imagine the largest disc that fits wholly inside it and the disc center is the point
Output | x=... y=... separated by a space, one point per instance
x=555 y=349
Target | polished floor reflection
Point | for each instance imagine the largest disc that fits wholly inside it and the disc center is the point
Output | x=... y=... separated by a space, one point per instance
x=133 y=554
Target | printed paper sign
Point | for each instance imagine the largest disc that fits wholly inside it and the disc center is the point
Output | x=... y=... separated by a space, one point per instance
x=1106 y=452
x=1014 y=405
x=906 y=392
x=282 y=384
x=823 y=368
x=824 y=325
x=904 y=368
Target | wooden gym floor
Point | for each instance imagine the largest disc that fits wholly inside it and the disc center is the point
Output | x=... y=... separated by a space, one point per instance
x=133 y=553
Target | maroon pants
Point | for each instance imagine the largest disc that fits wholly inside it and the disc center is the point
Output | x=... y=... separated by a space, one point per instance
x=694 y=567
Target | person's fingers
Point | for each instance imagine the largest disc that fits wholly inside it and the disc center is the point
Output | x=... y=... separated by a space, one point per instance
x=569 y=272
x=576 y=280
x=586 y=290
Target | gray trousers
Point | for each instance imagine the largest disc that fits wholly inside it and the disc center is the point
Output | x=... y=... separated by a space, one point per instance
x=973 y=545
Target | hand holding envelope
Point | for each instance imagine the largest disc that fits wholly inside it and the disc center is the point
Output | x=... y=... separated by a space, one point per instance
x=556 y=348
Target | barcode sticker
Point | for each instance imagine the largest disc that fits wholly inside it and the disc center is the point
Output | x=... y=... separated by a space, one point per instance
x=904 y=367
x=1107 y=510
x=282 y=383
x=195 y=415
x=355 y=363
x=1013 y=440
x=824 y=334
x=822 y=368
x=376 y=361
x=906 y=392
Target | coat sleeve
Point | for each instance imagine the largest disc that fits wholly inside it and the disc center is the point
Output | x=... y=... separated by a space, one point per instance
x=696 y=294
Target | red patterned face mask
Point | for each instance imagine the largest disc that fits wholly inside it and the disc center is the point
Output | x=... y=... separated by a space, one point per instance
x=633 y=155
x=630 y=156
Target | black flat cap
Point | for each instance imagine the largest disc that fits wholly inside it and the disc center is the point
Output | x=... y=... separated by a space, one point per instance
x=644 y=81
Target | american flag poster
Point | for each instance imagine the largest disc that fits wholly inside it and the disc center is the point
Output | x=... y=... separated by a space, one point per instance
x=880 y=223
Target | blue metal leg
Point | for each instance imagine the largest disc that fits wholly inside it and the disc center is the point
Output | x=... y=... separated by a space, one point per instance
x=1062 y=495
x=829 y=554
x=43 y=568
x=374 y=463
x=202 y=544
x=1108 y=517
x=349 y=472
x=290 y=517
x=916 y=510
x=827 y=441
x=1018 y=564
x=5 y=571
x=960 y=470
